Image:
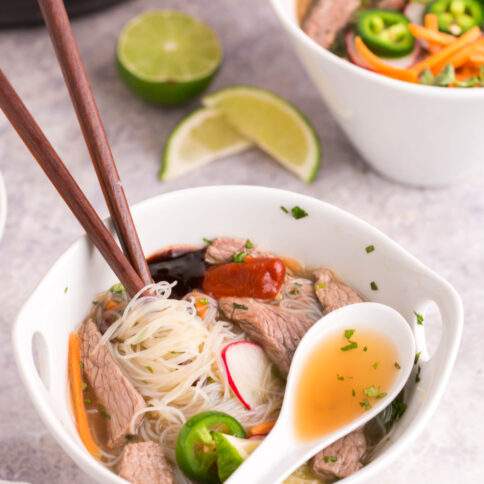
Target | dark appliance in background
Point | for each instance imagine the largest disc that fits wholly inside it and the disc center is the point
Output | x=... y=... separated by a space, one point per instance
x=18 y=13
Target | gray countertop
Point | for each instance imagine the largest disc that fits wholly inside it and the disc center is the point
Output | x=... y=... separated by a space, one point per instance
x=444 y=228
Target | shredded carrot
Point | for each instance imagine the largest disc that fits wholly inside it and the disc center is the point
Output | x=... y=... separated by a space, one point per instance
x=76 y=385
x=262 y=429
x=111 y=305
x=466 y=73
x=430 y=35
x=201 y=306
x=462 y=56
x=477 y=60
x=431 y=22
x=382 y=67
x=437 y=61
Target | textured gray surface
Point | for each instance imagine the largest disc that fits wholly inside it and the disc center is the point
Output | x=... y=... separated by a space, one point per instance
x=444 y=228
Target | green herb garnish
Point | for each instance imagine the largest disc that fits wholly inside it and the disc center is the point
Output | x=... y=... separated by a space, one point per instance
x=417 y=376
x=208 y=241
x=374 y=392
x=373 y=286
x=66 y=289
x=249 y=244
x=103 y=412
x=369 y=248
x=330 y=458
x=150 y=369
x=203 y=301
x=320 y=285
x=365 y=404
x=88 y=401
x=340 y=377
x=351 y=346
x=417 y=357
x=294 y=291
x=117 y=288
x=130 y=437
x=420 y=318
x=298 y=212
x=349 y=333
x=375 y=365
x=284 y=209
x=397 y=365
x=239 y=257
x=240 y=306
x=365 y=348
x=353 y=392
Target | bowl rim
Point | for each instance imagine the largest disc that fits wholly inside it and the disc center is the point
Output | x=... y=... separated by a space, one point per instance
x=418 y=89
x=96 y=469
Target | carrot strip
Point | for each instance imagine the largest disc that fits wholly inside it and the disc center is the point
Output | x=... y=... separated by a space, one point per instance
x=477 y=60
x=431 y=22
x=201 y=306
x=76 y=385
x=466 y=73
x=262 y=429
x=437 y=61
x=430 y=35
x=461 y=57
x=111 y=305
x=382 y=67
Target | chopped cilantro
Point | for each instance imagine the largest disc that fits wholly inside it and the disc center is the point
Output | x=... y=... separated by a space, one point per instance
x=417 y=376
x=208 y=241
x=284 y=209
x=320 y=285
x=417 y=357
x=365 y=348
x=66 y=289
x=420 y=318
x=374 y=392
x=369 y=249
x=294 y=291
x=349 y=333
x=103 y=412
x=397 y=365
x=150 y=369
x=203 y=301
x=340 y=377
x=239 y=306
x=375 y=365
x=249 y=244
x=81 y=364
x=330 y=458
x=88 y=401
x=365 y=404
x=130 y=437
x=239 y=257
x=373 y=286
x=117 y=288
x=353 y=392
x=351 y=346
x=298 y=212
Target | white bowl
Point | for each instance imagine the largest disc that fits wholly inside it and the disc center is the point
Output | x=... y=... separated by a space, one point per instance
x=421 y=135
x=328 y=236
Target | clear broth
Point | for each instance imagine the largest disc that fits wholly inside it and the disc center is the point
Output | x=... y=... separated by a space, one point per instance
x=331 y=391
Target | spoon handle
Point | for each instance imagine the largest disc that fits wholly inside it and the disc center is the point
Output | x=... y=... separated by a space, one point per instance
x=274 y=460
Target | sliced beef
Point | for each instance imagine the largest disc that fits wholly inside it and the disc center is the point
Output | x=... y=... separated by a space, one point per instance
x=327 y=18
x=221 y=250
x=333 y=293
x=144 y=463
x=279 y=325
x=342 y=458
x=112 y=389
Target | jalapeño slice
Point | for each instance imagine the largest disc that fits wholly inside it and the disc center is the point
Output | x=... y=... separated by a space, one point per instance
x=385 y=32
x=196 y=450
x=457 y=16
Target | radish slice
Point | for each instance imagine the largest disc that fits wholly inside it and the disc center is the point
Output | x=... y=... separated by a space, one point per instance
x=400 y=62
x=415 y=11
x=246 y=366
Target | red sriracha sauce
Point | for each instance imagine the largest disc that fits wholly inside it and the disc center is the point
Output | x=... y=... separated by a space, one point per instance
x=260 y=278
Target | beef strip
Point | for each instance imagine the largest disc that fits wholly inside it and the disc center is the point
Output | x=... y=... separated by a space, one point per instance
x=273 y=325
x=347 y=451
x=331 y=292
x=221 y=250
x=144 y=463
x=326 y=18
x=112 y=389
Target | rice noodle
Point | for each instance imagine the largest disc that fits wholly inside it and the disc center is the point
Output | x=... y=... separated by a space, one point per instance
x=173 y=359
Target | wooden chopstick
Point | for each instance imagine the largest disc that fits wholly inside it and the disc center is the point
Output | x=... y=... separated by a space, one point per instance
x=54 y=168
x=77 y=82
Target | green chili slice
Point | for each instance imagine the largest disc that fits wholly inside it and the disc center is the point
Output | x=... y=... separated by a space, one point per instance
x=457 y=16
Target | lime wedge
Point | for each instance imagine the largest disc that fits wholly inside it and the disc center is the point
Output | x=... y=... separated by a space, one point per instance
x=273 y=124
x=199 y=138
x=167 y=57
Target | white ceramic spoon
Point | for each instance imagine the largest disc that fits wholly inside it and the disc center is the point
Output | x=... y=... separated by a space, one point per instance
x=282 y=452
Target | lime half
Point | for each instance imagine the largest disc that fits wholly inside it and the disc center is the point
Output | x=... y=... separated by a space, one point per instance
x=167 y=57
x=199 y=138
x=273 y=124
